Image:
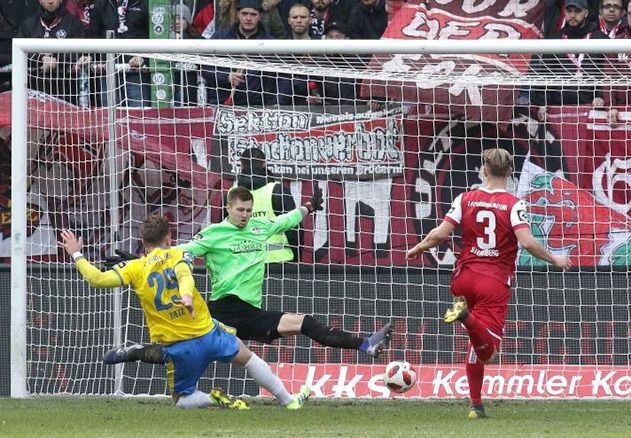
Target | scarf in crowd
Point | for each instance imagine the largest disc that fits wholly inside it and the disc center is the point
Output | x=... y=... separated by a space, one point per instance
x=122 y=16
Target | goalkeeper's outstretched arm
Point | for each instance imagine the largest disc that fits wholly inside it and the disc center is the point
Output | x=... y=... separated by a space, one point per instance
x=90 y=273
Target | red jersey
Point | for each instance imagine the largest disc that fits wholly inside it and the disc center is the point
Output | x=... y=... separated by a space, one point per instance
x=489 y=219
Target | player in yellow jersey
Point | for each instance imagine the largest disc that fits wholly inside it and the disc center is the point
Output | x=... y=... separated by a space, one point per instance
x=179 y=320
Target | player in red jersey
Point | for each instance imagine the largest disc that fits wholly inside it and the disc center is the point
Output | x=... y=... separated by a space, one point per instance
x=492 y=222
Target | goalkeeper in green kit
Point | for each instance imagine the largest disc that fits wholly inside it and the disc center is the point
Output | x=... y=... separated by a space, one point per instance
x=234 y=251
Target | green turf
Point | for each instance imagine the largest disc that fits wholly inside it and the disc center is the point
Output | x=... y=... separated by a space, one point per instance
x=123 y=417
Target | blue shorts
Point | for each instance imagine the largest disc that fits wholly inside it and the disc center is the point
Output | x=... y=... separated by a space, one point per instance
x=187 y=360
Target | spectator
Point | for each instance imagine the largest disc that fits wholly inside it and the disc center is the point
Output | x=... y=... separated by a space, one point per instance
x=610 y=21
x=247 y=25
x=576 y=27
x=368 y=20
x=15 y=12
x=239 y=87
x=300 y=90
x=339 y=91
x=554 y=16
x=336 y=30
x=328 y=91
x=299 y=22
x=324 y=12
x=52 y=73
x=12 y=14
x=182 y=18
x=185 y=74
x=620 y=96
x=6 y=34
x=283 y=9
x=128 y=19
x=270 y=19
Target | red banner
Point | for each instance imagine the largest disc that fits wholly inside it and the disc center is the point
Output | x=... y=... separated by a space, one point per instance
x=604 y=161
x=454 y=84
x=450 y=381
x=395 y=174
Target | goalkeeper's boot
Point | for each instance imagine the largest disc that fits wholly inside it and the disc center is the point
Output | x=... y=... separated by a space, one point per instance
x=376 y=342
x=223 y=400
x=130 y=353
x=299 y=399
x=458 y=312
x=476 y=412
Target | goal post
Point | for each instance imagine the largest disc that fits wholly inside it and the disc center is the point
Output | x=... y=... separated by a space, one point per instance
x=18 y=225
x=389 y=160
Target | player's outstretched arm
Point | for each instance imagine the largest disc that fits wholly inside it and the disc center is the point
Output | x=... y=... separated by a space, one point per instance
x=90 y=273
x=198 y=246
x=434 y=238
x=186 y=287
x=532 y=245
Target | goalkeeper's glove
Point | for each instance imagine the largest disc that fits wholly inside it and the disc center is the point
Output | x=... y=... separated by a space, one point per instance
x=122 y=256
x=315 y=203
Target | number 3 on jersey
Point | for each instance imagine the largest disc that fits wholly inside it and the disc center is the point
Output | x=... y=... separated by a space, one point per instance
x=488 y=219
x=163 y=279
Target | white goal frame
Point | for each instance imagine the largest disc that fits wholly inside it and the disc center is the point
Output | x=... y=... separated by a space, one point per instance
x=22 y=47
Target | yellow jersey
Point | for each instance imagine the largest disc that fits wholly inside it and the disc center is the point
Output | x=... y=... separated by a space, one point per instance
x=158 y=278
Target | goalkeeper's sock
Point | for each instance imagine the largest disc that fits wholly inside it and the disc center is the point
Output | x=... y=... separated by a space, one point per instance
x=263 y=376
x=475 y=376
x=329 y=336
x=483 y=342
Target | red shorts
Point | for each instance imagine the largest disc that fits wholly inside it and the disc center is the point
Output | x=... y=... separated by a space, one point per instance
x=487 y=298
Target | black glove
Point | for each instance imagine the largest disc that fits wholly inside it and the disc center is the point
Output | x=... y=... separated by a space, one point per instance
x=315 y=203
x=122 y=256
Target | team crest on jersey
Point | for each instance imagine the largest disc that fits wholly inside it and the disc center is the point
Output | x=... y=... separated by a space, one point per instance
x=121 y=265
x=256 y=230
x=197 y=236
x=61 y=33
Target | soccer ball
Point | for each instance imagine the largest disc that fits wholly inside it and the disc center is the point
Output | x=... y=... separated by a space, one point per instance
x=399 y=376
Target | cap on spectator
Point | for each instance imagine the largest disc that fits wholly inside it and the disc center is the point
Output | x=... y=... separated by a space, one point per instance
x=581 y=4
x=252 y=4
x=182 y=11
x=336 y=25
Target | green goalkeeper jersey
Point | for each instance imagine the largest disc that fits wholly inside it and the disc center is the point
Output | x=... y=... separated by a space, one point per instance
x=235 y=257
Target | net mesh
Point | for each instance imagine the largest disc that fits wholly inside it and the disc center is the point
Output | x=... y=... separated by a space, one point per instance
x=390 y=140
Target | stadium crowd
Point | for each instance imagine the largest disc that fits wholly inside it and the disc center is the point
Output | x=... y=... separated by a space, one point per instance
x=81 y=80
x=224 y=19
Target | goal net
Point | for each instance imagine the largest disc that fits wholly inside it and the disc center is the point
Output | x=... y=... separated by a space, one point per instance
x=391 y=134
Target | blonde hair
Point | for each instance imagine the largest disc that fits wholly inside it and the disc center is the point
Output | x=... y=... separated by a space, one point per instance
x=498 y=162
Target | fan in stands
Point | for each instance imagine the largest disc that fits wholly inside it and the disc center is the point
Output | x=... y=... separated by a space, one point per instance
x=399 y=377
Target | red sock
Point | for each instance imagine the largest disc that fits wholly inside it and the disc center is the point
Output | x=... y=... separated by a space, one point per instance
x=475 y=377
x=482 y=341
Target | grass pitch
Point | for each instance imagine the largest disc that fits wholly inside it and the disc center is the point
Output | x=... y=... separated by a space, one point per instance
x=150 y=417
